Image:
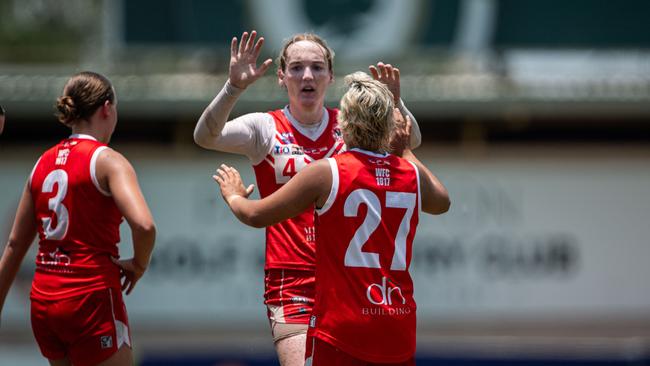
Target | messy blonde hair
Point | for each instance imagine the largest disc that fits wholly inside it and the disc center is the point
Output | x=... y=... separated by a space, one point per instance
x=366 y=115
x=329 y=54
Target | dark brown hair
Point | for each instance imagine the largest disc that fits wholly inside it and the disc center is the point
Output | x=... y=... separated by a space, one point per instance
x=82 y=95
x=329 y=54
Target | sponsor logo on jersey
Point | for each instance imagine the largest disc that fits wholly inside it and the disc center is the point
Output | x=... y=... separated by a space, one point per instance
x=310 y=234
x=374 y=311
x=286 y=137
x=378 y=161
x=315 y=150
x=385 y=293
x=289 y=149
x=57 y=257
x=387 y=298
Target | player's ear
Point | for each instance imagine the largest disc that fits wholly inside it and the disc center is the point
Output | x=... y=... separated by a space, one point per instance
x=281 y=78
x=106 y=109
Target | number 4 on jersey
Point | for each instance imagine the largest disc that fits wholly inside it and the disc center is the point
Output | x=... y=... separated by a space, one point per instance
x=289 y=169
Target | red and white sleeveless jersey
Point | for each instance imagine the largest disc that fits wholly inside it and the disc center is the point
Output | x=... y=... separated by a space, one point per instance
x=290 y=244
x=364 y=234
x=78 y=222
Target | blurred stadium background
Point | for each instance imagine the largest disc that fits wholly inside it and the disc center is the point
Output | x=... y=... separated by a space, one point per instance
x=535 y=114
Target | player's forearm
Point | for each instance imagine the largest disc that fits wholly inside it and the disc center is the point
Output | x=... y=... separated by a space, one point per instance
x=210 y=125
x=143 y=242
x=245 y=210
x=434 y=195
x=12 y=257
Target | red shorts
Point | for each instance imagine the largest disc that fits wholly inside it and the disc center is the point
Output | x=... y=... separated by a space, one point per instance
x=85 y=329
x=289 y=295
x=319 y=353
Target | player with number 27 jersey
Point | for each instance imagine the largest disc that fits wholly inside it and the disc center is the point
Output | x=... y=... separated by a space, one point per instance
x=363 y=281
x=290 y=243
x=78 y=223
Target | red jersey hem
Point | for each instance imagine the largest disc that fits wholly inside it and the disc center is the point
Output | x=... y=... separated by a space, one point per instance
x=362 y=355
x=293 y=266
x=35 y=294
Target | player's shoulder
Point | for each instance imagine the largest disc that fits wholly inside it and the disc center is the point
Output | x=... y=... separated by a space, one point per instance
x=257 y=120
x=110 y=159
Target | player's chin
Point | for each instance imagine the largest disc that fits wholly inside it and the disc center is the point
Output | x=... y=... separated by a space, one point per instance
x=310 y=98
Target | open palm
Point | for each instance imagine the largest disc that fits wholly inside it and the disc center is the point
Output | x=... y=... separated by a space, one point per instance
x=389 y=75
x=243 y=69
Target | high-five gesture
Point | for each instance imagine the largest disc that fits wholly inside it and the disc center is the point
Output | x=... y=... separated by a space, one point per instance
x=231 y=183
x=243 y=60
x=388 y=75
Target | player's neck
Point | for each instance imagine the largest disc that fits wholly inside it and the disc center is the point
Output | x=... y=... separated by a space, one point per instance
x=311 y=115
x=85 y=128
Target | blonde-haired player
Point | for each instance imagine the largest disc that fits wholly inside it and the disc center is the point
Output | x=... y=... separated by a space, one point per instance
x=280 y=143
x=367 y=205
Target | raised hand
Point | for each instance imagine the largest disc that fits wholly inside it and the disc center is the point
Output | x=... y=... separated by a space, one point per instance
x=388 y=75
x=231 y=183
x=243 y=69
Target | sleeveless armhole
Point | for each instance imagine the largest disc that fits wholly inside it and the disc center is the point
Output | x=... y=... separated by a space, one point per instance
x=93 y=167
x=417 y=176
x=31 y=175
x=333 y=190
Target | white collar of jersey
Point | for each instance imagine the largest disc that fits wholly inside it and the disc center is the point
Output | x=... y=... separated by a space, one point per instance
x=313 y=132
x=82 y=136
x=371 y=153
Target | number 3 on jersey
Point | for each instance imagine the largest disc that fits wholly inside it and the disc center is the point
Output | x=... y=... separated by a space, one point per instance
x=55 y=204
x=354 y=256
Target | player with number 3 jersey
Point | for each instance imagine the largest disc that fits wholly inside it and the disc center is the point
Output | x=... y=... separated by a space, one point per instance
x=367 y=203
x=75 y=199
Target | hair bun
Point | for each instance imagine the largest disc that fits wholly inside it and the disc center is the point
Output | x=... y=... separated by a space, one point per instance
x=67 y=109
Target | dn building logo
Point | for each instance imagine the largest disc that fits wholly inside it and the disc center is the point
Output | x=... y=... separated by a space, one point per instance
x=385 y=293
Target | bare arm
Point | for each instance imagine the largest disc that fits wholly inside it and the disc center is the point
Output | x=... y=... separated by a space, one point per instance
x=435 y=198
x=117 y=176
x=21 y=237
x=390 y=75
x=309 y=187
